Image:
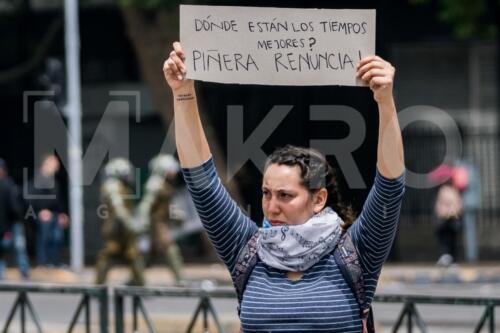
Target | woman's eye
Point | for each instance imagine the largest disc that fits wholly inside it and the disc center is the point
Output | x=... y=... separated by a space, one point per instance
x=285 y=196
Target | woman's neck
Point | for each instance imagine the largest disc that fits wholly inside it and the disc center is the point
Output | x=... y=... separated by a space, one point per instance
x=294 y=276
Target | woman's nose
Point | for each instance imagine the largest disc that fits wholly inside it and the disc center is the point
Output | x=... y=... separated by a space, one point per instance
x=273 y=206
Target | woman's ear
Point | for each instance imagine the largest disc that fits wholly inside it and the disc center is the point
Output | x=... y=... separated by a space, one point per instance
x=319 y=200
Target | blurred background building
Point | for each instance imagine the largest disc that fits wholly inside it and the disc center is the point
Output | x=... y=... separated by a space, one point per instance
x=446 y=55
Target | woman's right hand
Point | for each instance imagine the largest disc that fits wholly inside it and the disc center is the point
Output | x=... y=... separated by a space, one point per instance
x=174 y=69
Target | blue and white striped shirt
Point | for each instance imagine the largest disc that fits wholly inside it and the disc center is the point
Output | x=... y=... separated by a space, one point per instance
x=321 y=300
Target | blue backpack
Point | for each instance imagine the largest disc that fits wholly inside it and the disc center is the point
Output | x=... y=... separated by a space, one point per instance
x=346 y=257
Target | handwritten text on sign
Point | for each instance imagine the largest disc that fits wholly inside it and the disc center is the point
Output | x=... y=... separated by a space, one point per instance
x=275 y=46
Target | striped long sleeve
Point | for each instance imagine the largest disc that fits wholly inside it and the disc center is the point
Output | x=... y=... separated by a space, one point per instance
x=227 y=226
x=374 y=230
x=321 y=301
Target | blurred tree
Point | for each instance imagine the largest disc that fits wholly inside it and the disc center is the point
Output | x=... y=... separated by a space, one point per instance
x=153 y=25
x=468 y=18
x=472 y=19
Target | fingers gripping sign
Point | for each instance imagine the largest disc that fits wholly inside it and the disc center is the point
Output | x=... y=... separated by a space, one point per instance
x=174 y=68
x=378 y=74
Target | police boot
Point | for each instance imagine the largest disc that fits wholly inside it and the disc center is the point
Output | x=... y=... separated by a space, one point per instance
x=137 y=268
x=174 y=258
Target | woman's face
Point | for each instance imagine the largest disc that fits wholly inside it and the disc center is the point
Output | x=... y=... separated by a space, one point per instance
x=285 y=201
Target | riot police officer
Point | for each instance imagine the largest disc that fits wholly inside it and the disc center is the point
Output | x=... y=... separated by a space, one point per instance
x=155 y=210
x=120 y=228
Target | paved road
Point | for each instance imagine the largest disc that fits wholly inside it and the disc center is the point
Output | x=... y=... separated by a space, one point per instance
x=439 y=318
x=55 y=311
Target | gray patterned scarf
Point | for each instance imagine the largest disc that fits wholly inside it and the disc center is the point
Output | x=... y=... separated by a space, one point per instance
x=296 y=248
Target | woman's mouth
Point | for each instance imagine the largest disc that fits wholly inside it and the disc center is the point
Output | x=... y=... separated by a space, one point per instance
x=277 y=223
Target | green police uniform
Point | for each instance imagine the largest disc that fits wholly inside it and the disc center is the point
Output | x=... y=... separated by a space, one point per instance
x=119 y=232
x=154 y=211
x=161 y=219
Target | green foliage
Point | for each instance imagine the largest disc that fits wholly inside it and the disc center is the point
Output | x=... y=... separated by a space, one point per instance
x=149 y=5
x=468 y=18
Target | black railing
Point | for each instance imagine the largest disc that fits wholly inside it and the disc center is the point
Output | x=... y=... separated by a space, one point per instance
x=205 y=306
x=413 y=317
x=409 y=311
x=24 y=306
x=409 y=314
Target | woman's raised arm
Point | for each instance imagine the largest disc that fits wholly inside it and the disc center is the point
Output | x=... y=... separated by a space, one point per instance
x=379 y=75
x=192 y=145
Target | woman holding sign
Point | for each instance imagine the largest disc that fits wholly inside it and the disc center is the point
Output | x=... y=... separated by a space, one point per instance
x=306 y=270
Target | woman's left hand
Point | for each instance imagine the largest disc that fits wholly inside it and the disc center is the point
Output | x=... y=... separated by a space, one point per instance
x=378 y=74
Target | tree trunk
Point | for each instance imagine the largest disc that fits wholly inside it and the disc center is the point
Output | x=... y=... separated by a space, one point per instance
x=152 y=35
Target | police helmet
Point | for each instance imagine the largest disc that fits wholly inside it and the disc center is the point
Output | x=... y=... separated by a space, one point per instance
x=164 y=164
x=119 y=168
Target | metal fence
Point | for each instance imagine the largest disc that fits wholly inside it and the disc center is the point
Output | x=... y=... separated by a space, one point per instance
x=409 y=310
x=413 y=317
x=409 y=316
x=425 y=148
x=24 y=306
x=205 y=306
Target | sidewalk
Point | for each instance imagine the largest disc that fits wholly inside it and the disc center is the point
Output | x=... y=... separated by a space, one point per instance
x=429 y=273
x=178 y=320
x=161 y=276
x=119 y=275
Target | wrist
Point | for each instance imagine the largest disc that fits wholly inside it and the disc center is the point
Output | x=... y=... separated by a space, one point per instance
x=387 y=108
x=188 y=88
x=387 y=102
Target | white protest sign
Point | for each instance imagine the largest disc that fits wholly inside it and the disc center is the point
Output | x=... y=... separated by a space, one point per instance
x=275 y=46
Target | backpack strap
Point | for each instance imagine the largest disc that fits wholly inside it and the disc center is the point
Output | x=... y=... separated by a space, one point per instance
x=347 y=259
x=245 y=263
